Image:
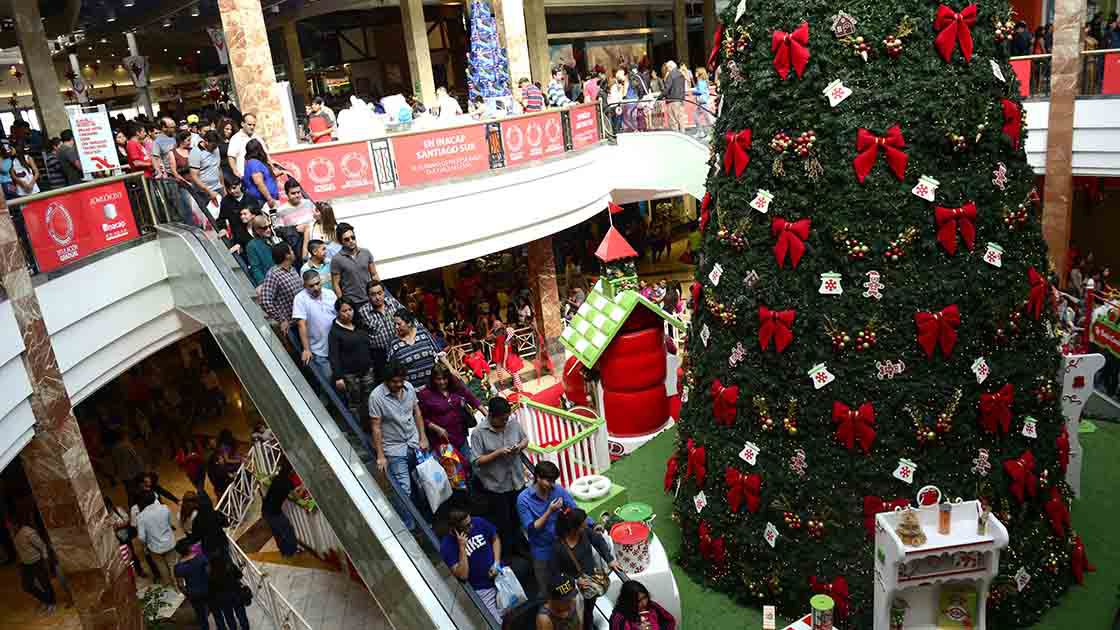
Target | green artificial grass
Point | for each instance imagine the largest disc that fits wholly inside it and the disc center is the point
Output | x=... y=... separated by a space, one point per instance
x=1089 y=606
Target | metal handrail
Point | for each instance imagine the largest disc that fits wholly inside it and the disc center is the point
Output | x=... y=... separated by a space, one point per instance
x=426 y=531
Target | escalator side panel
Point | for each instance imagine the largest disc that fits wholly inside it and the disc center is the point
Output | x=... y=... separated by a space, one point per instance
x=413 y=592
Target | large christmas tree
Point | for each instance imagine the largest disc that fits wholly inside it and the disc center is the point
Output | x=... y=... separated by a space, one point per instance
x=487 y=61
x=871 y=306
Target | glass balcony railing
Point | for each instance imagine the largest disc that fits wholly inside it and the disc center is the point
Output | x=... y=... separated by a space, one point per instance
x=1100 y=74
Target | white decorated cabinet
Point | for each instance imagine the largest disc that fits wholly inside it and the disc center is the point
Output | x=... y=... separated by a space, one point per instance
x=916 y=575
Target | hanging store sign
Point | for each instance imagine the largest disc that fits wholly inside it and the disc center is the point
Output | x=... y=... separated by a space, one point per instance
x=93 y=137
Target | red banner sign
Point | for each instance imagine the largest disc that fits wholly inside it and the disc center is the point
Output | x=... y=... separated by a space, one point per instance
x=585 y=126
x=328 y=172
x=1110 y=84
x=532 y=138
x=437 y=155
x=1022 y=68
x=66 y=228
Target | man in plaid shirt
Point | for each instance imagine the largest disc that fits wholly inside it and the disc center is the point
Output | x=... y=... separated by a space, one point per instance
x=280 y=286
x=376 y=316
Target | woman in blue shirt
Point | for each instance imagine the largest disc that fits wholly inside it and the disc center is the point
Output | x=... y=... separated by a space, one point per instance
x=260 y=180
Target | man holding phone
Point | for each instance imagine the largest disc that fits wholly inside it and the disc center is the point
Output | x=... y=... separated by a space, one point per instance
x=496 y=447
x=538 y=507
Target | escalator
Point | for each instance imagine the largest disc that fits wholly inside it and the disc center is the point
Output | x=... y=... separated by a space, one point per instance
x=412 y=587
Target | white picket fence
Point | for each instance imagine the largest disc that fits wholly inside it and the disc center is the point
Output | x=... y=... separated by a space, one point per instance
x=577 y=444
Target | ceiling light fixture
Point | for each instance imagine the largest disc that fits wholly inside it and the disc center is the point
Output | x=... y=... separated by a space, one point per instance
x=129 y=3
x=195 y=10
x=103 y=41
x=167 y=23
x=110 y=15
x=275 y=8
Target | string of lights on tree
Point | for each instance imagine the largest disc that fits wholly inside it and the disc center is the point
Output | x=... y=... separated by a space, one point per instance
x=872 y=309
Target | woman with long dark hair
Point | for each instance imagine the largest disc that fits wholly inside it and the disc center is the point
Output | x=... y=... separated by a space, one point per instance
x=413 y=348
x=351 y=361
x=260 y=179
x=635 y=610
x=445 y=404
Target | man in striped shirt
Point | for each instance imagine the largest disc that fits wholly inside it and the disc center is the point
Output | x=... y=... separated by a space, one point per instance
x=556 y=95
x=532 y=100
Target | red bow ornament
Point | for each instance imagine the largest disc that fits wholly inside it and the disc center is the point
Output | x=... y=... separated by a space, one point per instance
x=949 y=220
x=670 y=473
x=711 y=549
x=995 y=409
x=854 y=425
x=873 y=505
x=1079 y=561
x=705 y=211
x=1058 y=512
x=1040 y=289
x=697 y=466
x=1023 y=480
x=791 y=49
x=1062 y=442
x=724 y=402
x=735 y=154
x=1012 y=122
x=791 y=237
x=867 y=152
x=717 y=46
x=938 y=329
x=836 y=589
x=776 y=325
x=696 y=289
x=953 y=27
x=741 y=488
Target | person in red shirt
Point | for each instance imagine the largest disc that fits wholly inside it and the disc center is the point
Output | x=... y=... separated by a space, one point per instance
x=320 y=122
x=138 y=157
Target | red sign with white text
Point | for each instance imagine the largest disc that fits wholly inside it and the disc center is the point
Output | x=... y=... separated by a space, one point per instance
x=328 y=172
x=532 y=138
x=436 y=155
x=1110 y=83
x=585 y=126
x=66 y=228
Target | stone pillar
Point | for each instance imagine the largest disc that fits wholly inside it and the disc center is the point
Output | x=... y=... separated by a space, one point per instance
x=546 y=297
x=296 y=76
x=1065 y=72
x=511 y=23
x=419 y=56
x=40 y=68
x=145 y=95
x=250 y=65
x=680 y=31
x=58 y=466
x=536 y=35
x=710 y=21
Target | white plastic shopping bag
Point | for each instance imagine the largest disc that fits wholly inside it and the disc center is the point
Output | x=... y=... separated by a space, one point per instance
x=510 y=593
x=433 y=480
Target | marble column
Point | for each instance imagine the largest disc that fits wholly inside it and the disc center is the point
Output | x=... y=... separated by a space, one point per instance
x=546 y=297
x=1065 y=72
x=37 y=60
x=680 y=31
x=57 y=465
x=419 y=56
x=250 y=64
x=536 y=36
x=711 y=19
x=296 y=76
x=510 y=16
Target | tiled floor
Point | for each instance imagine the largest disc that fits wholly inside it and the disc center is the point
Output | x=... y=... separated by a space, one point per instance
x=326 y=599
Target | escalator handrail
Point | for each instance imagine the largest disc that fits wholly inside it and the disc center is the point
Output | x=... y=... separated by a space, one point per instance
x=426 y=530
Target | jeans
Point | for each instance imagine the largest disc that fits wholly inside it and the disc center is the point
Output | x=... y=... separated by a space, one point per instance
x=322 y=367
x=228 y=615
x=36 y=581
x=401 y=470
x=201 y=611
x=283 y=532
x=186 y=212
